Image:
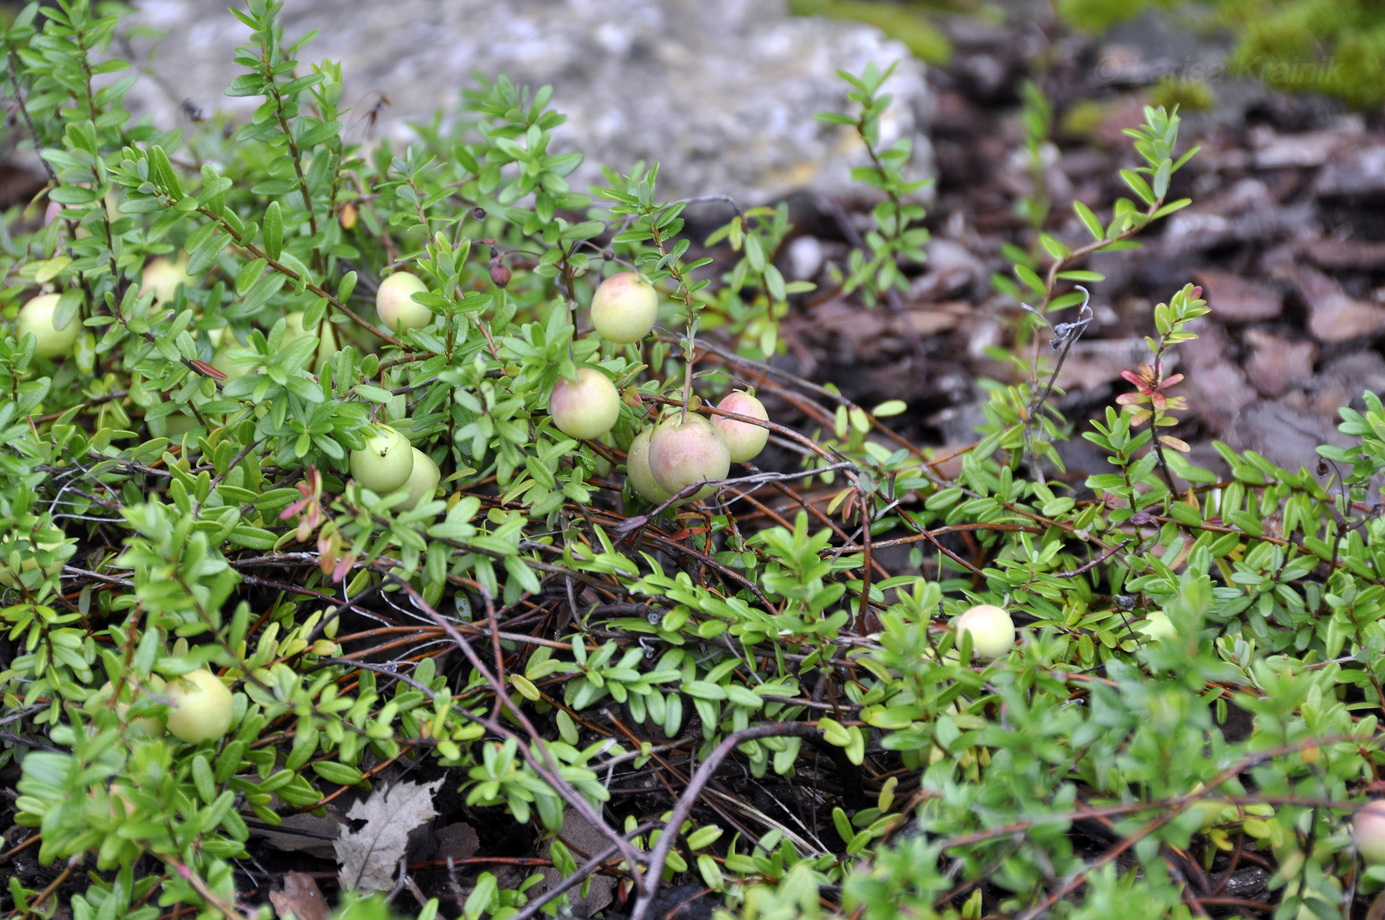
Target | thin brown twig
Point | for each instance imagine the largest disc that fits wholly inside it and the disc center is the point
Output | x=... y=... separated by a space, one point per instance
x=659 y=855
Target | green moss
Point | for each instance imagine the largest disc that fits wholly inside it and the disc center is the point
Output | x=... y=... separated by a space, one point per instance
x=1098 y=15
x=1336 y=47
x=1185 y=95
x=1313 y=46
x=1085 y=117
x=903 y=22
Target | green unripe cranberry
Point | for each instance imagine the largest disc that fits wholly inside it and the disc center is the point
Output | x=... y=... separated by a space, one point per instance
x=146 y=725
x=637 y=468
x=326 y=342
x=163 y=276
x=176 y=425
x=624 y=308
x=423 y=480
x=36 y=316
x=386 y=461
x=686 y=450
x=221 y=360
x=743 y=440
x=991 y=628
x=294 y=328
x=1157 y=625
x=587 y=407
x=121 y=801
x=1368 y=832
x=394 y=301
x=202 y=708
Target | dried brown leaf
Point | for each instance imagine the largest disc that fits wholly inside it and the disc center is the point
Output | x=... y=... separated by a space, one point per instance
x=306 y=833
x=301 y=899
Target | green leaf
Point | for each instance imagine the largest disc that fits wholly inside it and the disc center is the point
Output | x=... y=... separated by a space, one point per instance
x=249 y=273
x=273 y=230
x=1161 y=178
x=261 y=291
x=1030 y=279
x=703 y=836
x=1172 y=206
x=1089 y=220
x=1138 y=185
x=1054 y=247
x=834 y=732
x=252 y=537
x=373 y=393
x=842 y=824
x=702 y=690
x=1081 y=275
x=203 y=246
x=338 y=773
x=203 y=779
x=163 y=173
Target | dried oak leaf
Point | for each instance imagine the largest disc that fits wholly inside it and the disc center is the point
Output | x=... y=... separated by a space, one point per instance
x=300 y=900
x=370 y=856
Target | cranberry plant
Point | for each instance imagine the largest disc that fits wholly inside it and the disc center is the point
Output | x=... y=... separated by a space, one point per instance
x=727 y=684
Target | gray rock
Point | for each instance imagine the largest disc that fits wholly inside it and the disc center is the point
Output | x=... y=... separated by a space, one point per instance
x=1236 y=299
x=1333 y=314
x=721 y=92
x=1276 y=363
x=1285 y=434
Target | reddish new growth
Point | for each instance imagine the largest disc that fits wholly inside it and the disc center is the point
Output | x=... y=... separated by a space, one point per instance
x=329 y=544
x=310 y=505
x=331 y=561
x=1150 y=401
